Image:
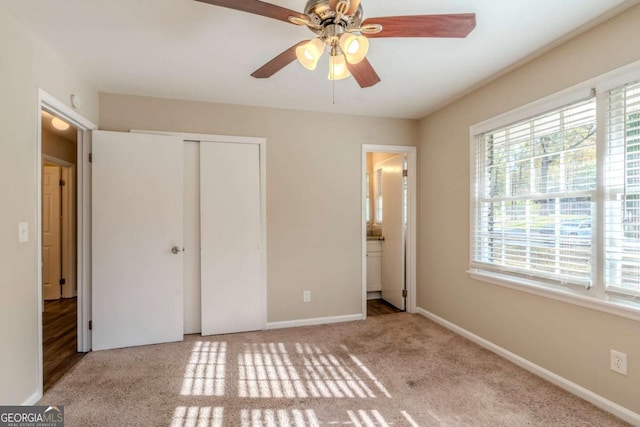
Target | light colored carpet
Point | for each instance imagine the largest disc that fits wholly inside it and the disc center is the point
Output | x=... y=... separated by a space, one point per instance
x=393 y=370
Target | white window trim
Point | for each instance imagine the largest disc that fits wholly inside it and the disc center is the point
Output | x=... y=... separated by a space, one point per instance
x=596 y=298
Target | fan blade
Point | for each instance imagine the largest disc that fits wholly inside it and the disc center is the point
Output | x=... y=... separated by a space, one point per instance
x=277 y=63
x=453 y=25
x=257 y=7
x=364 y=73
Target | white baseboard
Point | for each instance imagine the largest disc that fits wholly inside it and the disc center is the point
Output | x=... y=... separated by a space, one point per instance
x=573 y=388
x=33 y=399
x=316 y=321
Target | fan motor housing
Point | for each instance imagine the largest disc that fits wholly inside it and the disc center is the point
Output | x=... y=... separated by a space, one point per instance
x=321 y=14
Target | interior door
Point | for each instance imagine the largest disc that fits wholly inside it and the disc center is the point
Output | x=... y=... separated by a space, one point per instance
x=231 y=288
x=68 y=232
x=393 y=246
x=51 y=233
x=137 y=209
x=191 y=281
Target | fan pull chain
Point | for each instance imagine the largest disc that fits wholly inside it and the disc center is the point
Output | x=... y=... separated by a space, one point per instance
x=333 y=80
x=333 y=85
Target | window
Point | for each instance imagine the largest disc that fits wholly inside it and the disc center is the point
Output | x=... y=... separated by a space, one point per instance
x=622 y=181
x=534 y=196
x=540 y=217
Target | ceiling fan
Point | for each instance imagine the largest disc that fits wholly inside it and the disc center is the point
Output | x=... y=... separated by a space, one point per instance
x=341 y=30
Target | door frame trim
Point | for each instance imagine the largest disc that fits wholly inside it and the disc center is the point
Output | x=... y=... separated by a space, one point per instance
x=411 y=239
x=56 y=107
x=262 y=148
x=57 y=161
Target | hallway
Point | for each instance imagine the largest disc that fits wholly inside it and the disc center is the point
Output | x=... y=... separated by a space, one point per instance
x=60 y=346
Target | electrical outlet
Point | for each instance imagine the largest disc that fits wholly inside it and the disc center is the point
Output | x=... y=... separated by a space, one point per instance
x=306 y=296
x=619 y=362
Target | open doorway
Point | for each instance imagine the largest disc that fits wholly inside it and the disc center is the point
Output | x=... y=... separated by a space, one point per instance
x=59 y=141
x=81 y=182
x=388 y=229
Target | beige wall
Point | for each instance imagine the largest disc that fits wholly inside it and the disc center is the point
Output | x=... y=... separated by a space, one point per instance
x=314 y=206
x=58 y=147
x=313 y=190
x=25 y=65
x=571 y=341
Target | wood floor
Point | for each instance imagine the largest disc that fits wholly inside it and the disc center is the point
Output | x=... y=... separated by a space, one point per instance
x=378 y=307
x=60 y=346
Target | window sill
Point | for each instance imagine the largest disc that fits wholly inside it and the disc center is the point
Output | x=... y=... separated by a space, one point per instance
x=620 y=308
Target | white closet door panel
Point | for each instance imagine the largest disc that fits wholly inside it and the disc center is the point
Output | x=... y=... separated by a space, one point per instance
x=137 y=211
x=230 y=236
x=191 y=237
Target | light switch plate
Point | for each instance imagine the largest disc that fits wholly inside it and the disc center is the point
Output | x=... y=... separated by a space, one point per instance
x=23 y=232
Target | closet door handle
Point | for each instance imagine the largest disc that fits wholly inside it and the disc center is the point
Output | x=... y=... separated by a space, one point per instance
x=176 y=250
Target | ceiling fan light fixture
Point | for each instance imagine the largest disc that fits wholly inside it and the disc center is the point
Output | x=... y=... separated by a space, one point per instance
x=354 y=47
x=59 y=124
x=331 y=19
x=350 y=10
x=338 y=68
x=309 y=53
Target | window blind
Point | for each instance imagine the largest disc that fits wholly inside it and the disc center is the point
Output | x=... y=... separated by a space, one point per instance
x=534 y=196
x=622 y=191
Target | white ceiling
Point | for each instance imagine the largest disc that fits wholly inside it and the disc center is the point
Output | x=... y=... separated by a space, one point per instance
x=191 y=50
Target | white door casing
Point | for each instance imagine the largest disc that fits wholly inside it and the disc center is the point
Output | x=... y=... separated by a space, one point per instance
x=393 y=245
x=137 y=218
x=83 y=254
x=230 y=220
x=51 y=233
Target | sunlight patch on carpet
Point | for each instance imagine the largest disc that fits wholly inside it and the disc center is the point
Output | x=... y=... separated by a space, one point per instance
x=364 y=418
x=195 y=416
x=272 y=370
x=205 y=372
x=409 y=419
x=331 y=376
x=368 y=372
x=266 y=370
x=279 y=417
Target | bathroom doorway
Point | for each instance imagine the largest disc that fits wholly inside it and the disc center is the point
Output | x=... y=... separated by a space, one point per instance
x=388 y=217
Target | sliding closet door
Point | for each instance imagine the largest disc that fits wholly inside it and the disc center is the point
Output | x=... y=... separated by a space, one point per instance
x=137 y=239
x=231 y=291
